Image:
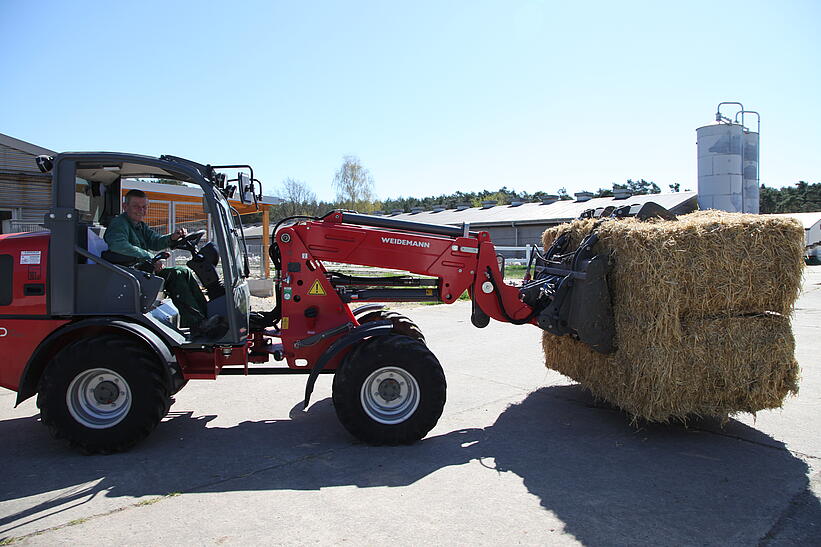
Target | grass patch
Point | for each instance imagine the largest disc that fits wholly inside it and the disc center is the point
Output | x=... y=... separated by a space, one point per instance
x=151 y=501
x=13 y=539
x=512 y=271
x=515 y=271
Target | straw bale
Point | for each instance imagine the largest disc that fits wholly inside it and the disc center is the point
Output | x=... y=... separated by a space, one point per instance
x=701 y=307
x=720 y=367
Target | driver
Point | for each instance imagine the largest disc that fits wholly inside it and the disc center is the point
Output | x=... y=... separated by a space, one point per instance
x=127 y=234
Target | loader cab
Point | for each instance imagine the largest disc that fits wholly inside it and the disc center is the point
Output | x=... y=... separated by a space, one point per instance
x=82 y=282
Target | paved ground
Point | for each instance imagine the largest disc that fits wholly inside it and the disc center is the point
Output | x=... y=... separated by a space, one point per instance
x=519 y=456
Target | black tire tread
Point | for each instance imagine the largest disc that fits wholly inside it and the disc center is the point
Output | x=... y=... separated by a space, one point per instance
x=120 y=350
x=357 y=365
x=402 y=324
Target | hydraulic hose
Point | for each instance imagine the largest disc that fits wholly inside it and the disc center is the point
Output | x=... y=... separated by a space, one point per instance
x=502 y=309
x=286 y=219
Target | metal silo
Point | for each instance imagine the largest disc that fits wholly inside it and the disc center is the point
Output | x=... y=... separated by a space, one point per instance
x=728 y=163
x=749 y=168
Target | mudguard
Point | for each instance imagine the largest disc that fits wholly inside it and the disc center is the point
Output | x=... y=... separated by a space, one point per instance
x=92 y=326
x=371 y=328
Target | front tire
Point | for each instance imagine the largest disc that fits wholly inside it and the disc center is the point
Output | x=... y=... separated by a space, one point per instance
x=401 y=323
x=390 y=390
x=103 y=395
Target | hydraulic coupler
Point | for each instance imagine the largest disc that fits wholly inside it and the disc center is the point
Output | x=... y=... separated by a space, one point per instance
x=571 y=295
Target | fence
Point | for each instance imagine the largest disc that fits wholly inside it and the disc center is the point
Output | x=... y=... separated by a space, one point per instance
x=509 y=251
x=20 y=226
x=255 y=260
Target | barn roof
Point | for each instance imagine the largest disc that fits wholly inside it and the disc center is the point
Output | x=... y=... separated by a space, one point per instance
x=534 y=213
x=552 y=213
x=807 y=219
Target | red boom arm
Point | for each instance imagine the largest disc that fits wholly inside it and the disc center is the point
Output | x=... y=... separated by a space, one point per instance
x=311 y=305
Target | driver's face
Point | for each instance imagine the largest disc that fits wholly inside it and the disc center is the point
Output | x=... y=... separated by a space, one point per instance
x=136 y=208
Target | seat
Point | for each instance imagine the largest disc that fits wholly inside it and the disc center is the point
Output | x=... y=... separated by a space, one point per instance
x=95 y=244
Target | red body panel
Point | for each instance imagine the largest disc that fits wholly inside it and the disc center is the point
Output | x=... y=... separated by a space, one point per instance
x=423 y=254
x=458 y=262
x=19 y=338
x=489 y=302
x=206 y=364
x=309 y=287
x=30 y=255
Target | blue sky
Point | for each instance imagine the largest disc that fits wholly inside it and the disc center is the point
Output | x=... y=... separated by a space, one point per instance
x=433 y=97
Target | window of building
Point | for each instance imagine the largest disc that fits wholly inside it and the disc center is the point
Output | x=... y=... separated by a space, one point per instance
x=6 y=218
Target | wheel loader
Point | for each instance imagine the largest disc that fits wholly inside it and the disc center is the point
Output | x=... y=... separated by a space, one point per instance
x=92 y=335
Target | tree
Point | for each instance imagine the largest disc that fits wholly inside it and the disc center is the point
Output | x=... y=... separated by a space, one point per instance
x=767 y=199
x=675 y=187
x=641 y=187
x=354 y=185
x=803 y=197
x=299 y=199
x=505 y=195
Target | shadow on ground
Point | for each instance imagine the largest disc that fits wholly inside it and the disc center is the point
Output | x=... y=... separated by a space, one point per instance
x=609 y=483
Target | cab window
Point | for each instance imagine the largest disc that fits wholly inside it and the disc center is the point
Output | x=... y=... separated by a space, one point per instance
x=88 y=200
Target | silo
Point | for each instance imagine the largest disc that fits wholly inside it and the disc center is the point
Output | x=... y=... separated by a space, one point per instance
x=750 y=186
x=727 y=165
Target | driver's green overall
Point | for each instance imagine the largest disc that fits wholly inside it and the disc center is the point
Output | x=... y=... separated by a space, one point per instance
x=128 y=238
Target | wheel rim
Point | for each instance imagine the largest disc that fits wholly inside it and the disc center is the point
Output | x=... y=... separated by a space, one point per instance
x=98 y=398
x=390 y=395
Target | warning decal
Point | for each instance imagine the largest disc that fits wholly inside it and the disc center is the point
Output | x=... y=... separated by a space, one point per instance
x=316 y=289
x=284 y=323
x=29 y=257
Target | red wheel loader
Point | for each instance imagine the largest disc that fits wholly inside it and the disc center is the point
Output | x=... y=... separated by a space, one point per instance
x=91 y=335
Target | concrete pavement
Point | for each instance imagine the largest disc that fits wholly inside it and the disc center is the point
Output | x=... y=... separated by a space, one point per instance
x=519 y=456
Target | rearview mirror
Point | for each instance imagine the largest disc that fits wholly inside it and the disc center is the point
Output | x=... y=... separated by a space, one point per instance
x=246 y=188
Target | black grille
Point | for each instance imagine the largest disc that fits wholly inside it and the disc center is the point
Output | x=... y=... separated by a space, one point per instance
x=6 y=279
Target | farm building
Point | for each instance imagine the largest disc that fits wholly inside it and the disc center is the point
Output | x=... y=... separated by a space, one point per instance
x=812 y=232
x=521 y=224
x=25 y=195
x=25 y=192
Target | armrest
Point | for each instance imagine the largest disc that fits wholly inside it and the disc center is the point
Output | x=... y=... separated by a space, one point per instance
x=118 y=258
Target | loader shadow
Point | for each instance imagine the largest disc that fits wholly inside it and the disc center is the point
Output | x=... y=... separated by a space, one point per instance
x=608 y=482
x=613 y=484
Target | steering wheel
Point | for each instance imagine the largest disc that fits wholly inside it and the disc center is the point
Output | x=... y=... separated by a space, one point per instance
x=189 y=242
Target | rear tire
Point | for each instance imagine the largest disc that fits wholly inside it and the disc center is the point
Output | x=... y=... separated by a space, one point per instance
x=401 y=323
x=390 y=390
x=103 y=395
